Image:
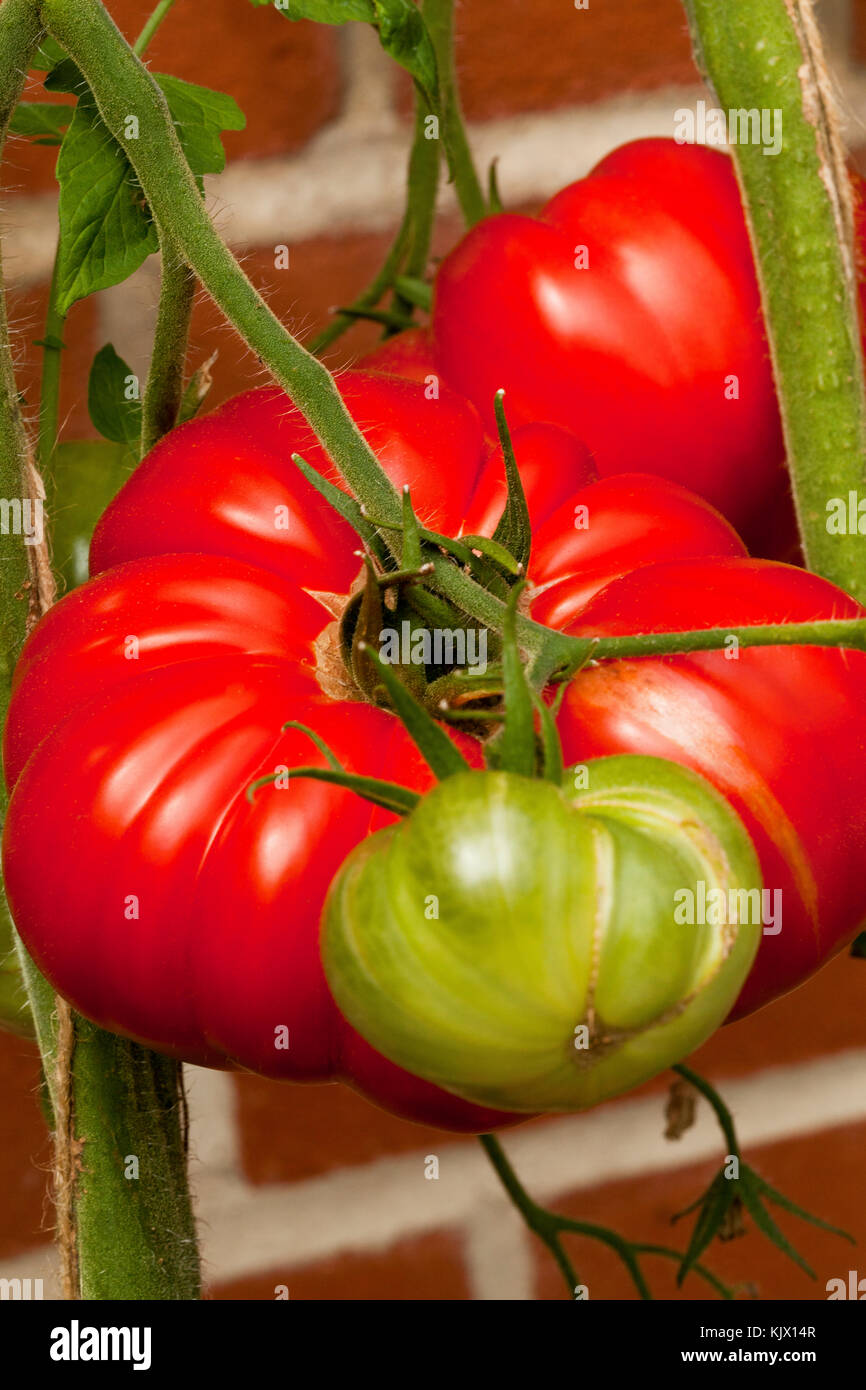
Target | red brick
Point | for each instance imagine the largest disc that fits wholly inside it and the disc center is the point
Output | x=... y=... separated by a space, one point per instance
x=858 y=29
x=821 y=1172
x=285 y=76
x=293 y=1132
x=323 y=273
x=514 y=57
x=24 y=1149
x=429 y=1267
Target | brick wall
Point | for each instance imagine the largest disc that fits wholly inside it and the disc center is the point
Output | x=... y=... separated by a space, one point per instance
x=309 y=1186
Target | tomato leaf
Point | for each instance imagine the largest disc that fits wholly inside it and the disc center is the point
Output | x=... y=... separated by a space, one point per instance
x=106 y=230
x=65 y=76
x=86 y=476
x=200 y=115
x=323 y=11
x=399 y=23
x=113 y=400
x=405 y=38
x=714 y=1205
x=43 y=121
x=858 y=947
x=48 y=55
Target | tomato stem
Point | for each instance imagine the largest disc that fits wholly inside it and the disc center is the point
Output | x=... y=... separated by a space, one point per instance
x=126 y=1228
x=765 y=57
x=163 y=392
x=439 y=18
x=549 y=1227
x=120 y=84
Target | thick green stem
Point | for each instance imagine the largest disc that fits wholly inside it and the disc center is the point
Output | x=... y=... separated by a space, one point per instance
x=120 y=85
x=764 y=56
x=124 y=1216
x=164 y=390
x=439 y=17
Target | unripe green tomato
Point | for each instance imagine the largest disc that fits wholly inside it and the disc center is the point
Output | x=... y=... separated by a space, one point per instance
x=518 y=944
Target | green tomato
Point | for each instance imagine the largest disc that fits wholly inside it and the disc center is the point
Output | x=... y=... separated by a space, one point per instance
x=524 y=946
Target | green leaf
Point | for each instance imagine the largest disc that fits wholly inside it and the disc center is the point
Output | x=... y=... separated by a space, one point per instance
x=115 y=413
x=87 y=475
x=400 y=25
x=513 y=530
x=714 y=1206
x=106 y=229
x=858 y=947
x=323 y=11
x=764 y=1189
x=199 y=115
x=405 y=38
x=48 y=55
x=66 y=77
x=43 y=121
x=767 y=1226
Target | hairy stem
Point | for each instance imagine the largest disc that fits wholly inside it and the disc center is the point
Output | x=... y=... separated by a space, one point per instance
x=49 y=396
x=120 y=85
x=723 y=1114
x=765 y=55
x=163 y=392
x=439 y=17
x=124 y=1216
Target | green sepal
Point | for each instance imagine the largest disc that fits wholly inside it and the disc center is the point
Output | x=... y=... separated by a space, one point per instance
x=514 y=529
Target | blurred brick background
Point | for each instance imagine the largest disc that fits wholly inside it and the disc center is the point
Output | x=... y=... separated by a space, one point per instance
x=311 y=1187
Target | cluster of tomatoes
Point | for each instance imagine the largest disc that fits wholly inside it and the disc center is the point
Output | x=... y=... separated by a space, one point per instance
x=624 y=324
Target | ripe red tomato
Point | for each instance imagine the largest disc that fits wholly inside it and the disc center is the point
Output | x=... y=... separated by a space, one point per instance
x=166 y=906
x=628 y=312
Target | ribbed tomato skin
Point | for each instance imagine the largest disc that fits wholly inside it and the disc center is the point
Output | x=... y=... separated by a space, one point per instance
x=168 y=905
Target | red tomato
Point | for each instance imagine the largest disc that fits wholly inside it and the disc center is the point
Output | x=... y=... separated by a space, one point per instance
x=628 y=312
x=167 y=906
